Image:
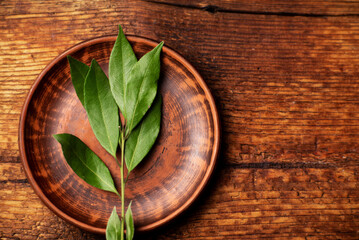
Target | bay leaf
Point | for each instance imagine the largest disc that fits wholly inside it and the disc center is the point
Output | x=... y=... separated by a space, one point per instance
x=143 y=136
x=130 y=227
x=141 y=87
x=113 y=228
x=121 y=62
x=85 y=163
x=78 y=71
x=101 y=108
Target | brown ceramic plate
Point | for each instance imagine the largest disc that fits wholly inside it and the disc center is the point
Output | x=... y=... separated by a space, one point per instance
x=163 y=185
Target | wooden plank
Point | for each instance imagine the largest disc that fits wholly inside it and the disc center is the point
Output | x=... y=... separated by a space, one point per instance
x=285 y=79
x=316 y=8
x=253 y=203
x=282 y=84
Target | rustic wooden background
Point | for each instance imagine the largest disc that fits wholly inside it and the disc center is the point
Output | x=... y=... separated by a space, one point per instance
x=285 y=76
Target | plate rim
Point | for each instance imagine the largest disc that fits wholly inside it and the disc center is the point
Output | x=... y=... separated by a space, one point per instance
x=86 y=43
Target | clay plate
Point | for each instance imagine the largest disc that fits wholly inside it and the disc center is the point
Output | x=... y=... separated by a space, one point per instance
x=163 y=185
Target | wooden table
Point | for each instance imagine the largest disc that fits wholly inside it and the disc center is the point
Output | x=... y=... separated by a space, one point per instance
x=285 y=77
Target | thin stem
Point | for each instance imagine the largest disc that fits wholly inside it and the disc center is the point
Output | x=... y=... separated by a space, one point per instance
x=118 y=194
x=122 y=186
x=128 y=174
x=118 y=163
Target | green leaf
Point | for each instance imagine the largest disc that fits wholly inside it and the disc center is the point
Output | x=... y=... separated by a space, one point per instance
x=141 y=87
x=85 y=163
x=143 y=136
x=122 y=60
x=130 y=227
x=113 y=229
x=78 y=71
x=101 y=108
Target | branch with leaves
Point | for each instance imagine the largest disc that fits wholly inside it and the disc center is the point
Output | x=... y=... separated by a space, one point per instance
x=131 y=89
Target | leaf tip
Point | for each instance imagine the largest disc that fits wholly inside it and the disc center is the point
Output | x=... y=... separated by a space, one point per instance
x=93 y=61
x=70 y=60
x=57 y=137
x=114 y=209
x=160 y=45
x=120 y=29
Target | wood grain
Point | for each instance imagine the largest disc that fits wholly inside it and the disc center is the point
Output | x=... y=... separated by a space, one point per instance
x=286 y=86
x=319 y=8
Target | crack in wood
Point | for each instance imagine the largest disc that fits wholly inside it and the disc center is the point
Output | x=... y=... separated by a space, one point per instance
x=14 y=181
x=9 y=159
x=281 y=165
x=214 y=9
